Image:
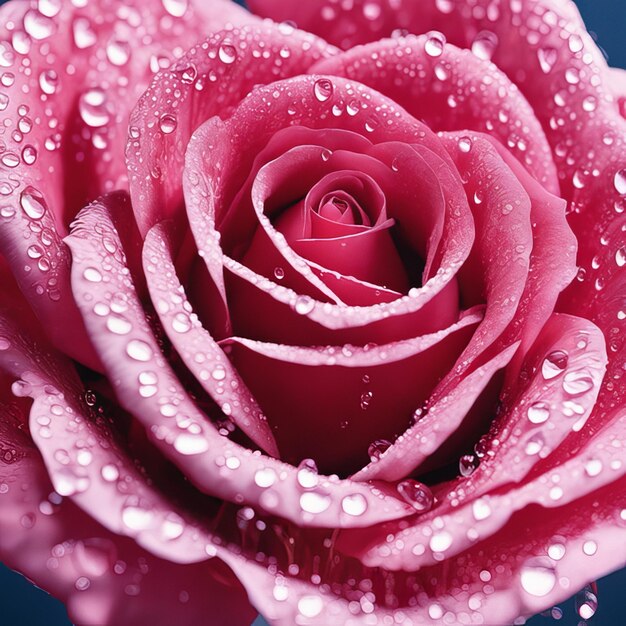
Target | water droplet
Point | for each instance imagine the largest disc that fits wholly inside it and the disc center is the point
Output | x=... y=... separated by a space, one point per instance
x=138 y=350
x=323 y=89
x=84 y=35
x=586 y=603
x=109 y=473
x=547 y=59
x=92 y=274
x=307 y=474
x=314 y=502
x=590 y=547
x=119 y=325
x=538 y=412
x=577 y=383
x=219 y=373
x=48 y=81
x=265 y=477
x=118 y=52
x=227 y=53
x=418 y=495
x=537 y=578
x=554 y=364
x=167 y=123
x=575 y=43
x=468 y=464
x=92 y=108
x=465 y=144
x=38 y=26
x=620 y=181
x=173 y=526
x=310 y=606
x=355 y=504
x=485 y=44
x=620 y=257
x=593 y=467
x=534 y=445
x=176 y=8
x=189 y=444
x=29 y=154
x=10 y=159
x=440 y=541
x=136 y=518
x=279 y=273
x=378 y=448
x=481 y=509
x=435 y=43
x=304 y=305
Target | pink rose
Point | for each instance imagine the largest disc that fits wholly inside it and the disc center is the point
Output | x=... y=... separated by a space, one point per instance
x=340 y=340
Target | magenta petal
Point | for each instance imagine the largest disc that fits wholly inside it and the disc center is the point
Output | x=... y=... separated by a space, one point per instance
x=522 y=448
x=369 y=393
x=199 y=351
x=214 y=464
x=454 y=90
x=199 y=85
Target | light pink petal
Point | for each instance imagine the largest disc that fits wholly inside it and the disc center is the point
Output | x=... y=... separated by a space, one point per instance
x=523 y=450
x=209 y=79
x=70 y=78
x=523 y=569
x=200 y=352
x=368 y=393
x=148 y=388
x=453 y=90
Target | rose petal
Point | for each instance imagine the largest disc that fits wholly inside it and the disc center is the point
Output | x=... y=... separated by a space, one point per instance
x=555 y=403
x=201 y=354
x=266 y=295
x=199 y=85
x=177 y=428
x=369 y=393
x=453 y=90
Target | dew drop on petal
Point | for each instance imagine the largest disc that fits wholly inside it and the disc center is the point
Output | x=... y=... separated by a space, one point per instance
x=138 y=350
x=537 y=578
x=554 y=364
x=434 y=45
x=307 y=474
x=32 y=203
x=323 y=89
x=468 y=464
x=586 y=602
x=189 y=444
x=265 y=477
x=538 y=412
x=310 y=606
x=314 y=502
x=620 y=181
x=577 y=383
x=418 y=495
x=136 y=518
x=440 y=541
x=354 y=504
x=167 y=123
x=378 y=448
x=227 y=53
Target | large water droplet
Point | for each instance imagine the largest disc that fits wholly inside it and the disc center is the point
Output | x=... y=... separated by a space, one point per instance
x=314 y=502
x=440 y=541
x=586 y=602
x=323 y=89
x=304 y=305
x=138 y=350
x=167 y=123
x=32 y=203
x=537 y=578
x=227 y=53
x=307 y=474
x=538 y=412
x=310 y=606
x=418 y=495
x=355 y=504
x=547 y=58
x=620 y=181
x=485 y=44
x=468 y=464
x=92 y=108
x=435 y=43
x=136 y=518
x=577 y=383
x=176 y=8
x=554 y=364
x=189 y=444
x=38 y=26
x=378 y=448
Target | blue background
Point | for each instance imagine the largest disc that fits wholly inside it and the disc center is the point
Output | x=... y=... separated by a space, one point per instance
x=22 y=604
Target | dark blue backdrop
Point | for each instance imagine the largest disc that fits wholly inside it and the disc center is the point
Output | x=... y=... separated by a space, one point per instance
x=21 y=604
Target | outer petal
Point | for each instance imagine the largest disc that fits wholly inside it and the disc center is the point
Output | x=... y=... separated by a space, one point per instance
x=148 y=388
x=206 y=81
x=451 y=89
x=73 y=74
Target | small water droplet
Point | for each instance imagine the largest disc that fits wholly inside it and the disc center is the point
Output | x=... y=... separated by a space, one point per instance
x=354 y=504
x=92 y=275
x=189 y=444
x=554 y=364
x=310 y=606
x=485 y=44
x=265 y=477
x=92 y=108
x=586 y=602
x=440 y=541
x=465 y=144
x=547 y=59
x=468 y=464
x=304 y=305
x=136 y=518
x=307 y=474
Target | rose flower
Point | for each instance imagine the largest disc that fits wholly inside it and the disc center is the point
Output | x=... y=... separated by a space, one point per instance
x=323 y=326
